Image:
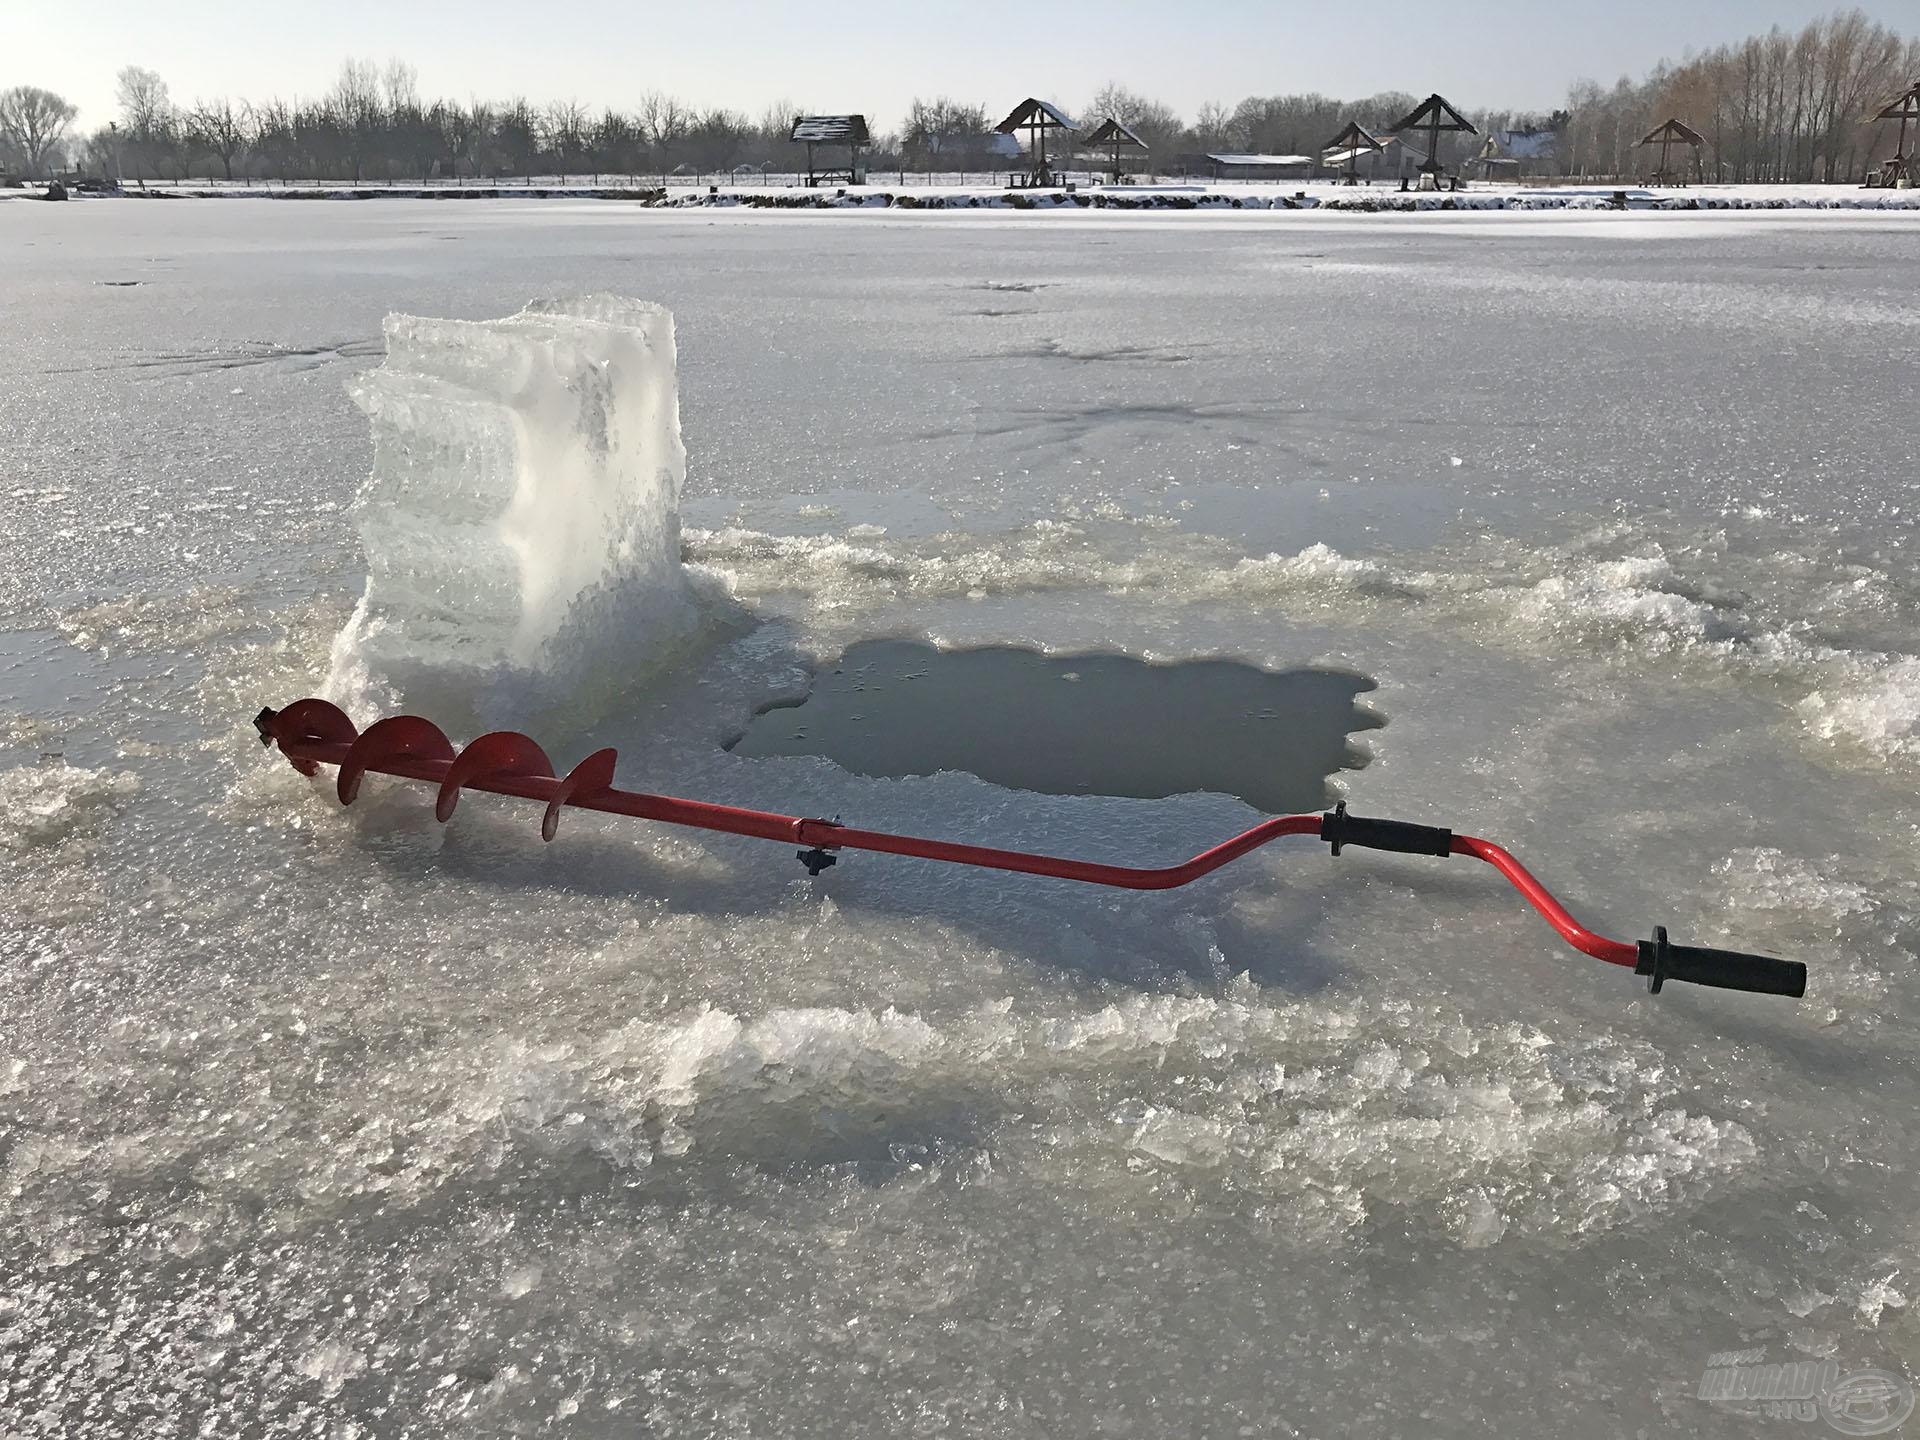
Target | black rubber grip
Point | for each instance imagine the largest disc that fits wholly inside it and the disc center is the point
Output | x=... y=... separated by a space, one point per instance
x=1339 y=828
x=1661 y=961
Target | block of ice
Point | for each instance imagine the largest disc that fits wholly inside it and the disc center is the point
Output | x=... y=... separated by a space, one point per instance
x=521 y=523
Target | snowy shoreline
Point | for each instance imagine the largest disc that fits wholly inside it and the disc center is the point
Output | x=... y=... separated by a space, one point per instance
x=1164 y=198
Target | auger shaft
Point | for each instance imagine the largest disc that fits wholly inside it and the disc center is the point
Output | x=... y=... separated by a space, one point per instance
x=313 y=732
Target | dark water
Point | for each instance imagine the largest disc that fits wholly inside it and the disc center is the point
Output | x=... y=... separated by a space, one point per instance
x=1077 y=724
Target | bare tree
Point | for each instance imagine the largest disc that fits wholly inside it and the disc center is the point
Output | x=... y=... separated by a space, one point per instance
x=401 y=83
x=946 y=133
x=465 y=132
x=33 y=121
x=1210 y=127
x=100 y=152
x=518 y=134
x=616 y=144
x=780 y=117
x=664 y=121
x=565 y=124
x=355 y=104
x=147 y=116
x=145 y=106
x=717 y=138
x=219 y=126
x=273 y=139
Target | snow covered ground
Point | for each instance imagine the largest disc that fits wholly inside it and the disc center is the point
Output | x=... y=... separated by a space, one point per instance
x=967 y=192
x=315 y=1123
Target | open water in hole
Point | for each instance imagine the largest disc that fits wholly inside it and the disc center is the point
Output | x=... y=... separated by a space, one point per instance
x=1077 y=724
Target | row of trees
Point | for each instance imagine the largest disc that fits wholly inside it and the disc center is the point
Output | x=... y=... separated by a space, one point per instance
x=373 y=124
x=1775 y=107
x=1784 y=106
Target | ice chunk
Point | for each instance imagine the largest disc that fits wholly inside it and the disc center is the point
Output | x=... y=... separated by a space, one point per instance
x=521 y=523
x=1877 y=707
x=1769 y=879
x=44 y=806
x=333 y=1363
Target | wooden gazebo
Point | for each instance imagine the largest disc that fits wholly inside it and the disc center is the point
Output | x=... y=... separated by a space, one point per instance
x=1435 y=116
x=1350 y=144
x=1113 y=137
x=847 y=130
x=1905 y=108
x=1666 y=136
x=1036 y=117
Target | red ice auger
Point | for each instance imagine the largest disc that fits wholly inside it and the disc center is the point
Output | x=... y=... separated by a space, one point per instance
x=312 y=733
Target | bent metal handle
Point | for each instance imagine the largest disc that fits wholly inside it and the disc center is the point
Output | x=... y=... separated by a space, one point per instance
x=312 y=733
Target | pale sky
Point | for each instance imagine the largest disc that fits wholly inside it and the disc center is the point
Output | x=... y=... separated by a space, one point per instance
x=747 y=53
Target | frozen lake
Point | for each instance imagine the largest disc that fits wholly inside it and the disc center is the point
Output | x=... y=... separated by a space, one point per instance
x=356 y=1125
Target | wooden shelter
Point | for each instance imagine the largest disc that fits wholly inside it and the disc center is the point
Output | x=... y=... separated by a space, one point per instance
x=1350 y=144
x=1435 y=116
x=848 y=130
x=1036 y=117
x=1110 y=135
x=1905 y=107
x=1666 y=136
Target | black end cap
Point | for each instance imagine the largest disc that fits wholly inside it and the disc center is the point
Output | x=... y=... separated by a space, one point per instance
x=263 y=722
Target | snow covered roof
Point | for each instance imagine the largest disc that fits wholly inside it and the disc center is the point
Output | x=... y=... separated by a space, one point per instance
x=1436 y=114
x=1233 y=158
x=1904 y=106
x=1111 y=132
x=1043 y=113
x=1521 y=144
x=1355 y=139
x=1674 y=132
x=831 y=129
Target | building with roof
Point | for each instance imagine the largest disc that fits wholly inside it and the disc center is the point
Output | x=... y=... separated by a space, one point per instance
x=1039 y=118
x=1343 y=152
x=1236 y=165
x=1436 y=117
x=1518 y=154
x=832 y=130
x=1897 y=169
x=1111 y=136
x=1666 y=136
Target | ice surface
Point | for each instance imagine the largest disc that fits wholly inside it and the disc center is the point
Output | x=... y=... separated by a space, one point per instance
x=357 y=1124
x=522 y=522
x=50 y=806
